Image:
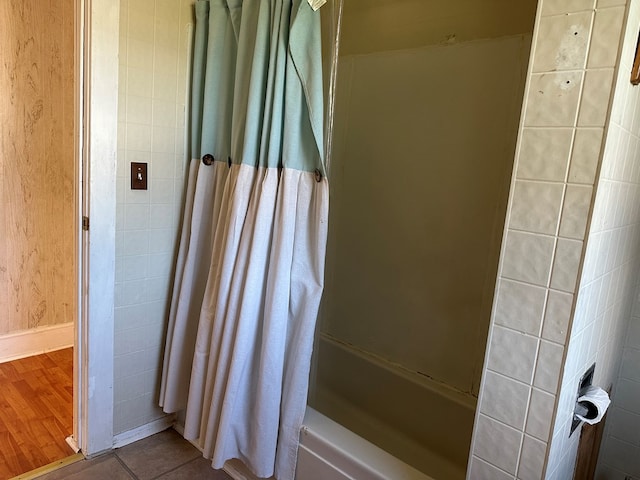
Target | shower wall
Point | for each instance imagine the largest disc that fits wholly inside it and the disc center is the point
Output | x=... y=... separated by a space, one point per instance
x=423 y=149
x=386 y=25
x=154 y=53
x=37 y=167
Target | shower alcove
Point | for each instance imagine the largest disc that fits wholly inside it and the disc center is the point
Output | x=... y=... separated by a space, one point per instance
x=427 y=105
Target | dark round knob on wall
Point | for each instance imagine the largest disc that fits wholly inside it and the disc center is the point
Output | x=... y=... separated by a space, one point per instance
x=208 y=159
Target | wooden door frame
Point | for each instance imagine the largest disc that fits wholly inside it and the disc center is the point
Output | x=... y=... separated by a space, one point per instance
x=96 y=101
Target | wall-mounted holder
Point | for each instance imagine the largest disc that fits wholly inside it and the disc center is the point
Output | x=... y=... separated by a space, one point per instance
x=635 y=71
x=581 y=409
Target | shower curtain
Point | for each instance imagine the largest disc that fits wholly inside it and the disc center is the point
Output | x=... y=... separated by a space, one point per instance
x=250 y=267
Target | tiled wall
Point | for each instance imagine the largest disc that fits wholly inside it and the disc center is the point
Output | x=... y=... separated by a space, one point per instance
x=620 y=451
x=154 y=55
x=565 y=111
x=610 y=270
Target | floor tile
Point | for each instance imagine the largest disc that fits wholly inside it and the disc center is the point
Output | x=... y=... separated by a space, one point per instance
x=198 y=469
x=106 y=467
x=157 y=454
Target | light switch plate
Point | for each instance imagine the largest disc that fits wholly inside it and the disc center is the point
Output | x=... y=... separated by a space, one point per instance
x=138 y=176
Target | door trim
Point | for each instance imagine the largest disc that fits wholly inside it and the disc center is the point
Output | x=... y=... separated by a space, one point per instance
x=97 y=38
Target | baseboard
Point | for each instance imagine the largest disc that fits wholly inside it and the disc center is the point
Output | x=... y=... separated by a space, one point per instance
x=72 y=443
x=143 y=431
x=36 y=341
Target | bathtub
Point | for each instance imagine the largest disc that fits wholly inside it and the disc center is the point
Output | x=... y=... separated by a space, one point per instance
x=415 y=420
x=328 y=451
x=371 y=398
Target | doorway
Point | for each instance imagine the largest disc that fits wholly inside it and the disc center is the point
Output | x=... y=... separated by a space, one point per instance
x=39 y=185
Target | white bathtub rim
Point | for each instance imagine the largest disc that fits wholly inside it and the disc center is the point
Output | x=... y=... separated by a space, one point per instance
x=351 y=454
x=340 y=449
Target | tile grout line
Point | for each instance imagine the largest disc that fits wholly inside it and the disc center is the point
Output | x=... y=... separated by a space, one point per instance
x=125 y=466
x=177 y=468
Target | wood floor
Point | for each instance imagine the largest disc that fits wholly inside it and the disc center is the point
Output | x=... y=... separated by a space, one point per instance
x=36 y=411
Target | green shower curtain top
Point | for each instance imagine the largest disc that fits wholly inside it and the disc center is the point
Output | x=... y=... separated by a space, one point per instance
x=265 y=43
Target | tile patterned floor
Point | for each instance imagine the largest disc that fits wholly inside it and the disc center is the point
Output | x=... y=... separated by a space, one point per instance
x=164 y=456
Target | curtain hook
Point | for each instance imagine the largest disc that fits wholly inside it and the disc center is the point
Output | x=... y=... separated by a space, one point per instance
x=208 y=159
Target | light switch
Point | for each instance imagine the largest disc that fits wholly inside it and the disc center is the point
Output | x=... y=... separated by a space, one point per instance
x=138 y=176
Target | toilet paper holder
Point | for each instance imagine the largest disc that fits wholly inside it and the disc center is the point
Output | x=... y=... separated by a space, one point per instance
x=581 y=408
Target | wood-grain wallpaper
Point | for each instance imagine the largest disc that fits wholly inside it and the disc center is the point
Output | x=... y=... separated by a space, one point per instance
x=37 y=166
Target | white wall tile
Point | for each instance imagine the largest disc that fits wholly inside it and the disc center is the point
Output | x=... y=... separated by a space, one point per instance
x=140 y=25
x=138 y=55
x=134 y=291
x=138 y=110
x=481 y=470
x=557 y=317
x=536 y=206
x=139 y=81
x=512 y=354
x=633 y=334
x=160 y=215
x=134 y=267
x=497 y=444
x=610 y=3
x=164 y=140
x=548 y=367
x=162 y=240
x=540 y=415
x=624 y=425
x=138 y=137
x=162 y=191
x=595 y=98
x=505 y=400
x=618 y=453
x=160 y=264
x=627 y=394
x=585 y=156
x=527 y=257
x=136 y=216
x=532 y=459
x=555 y=7
x=519 y=306
x=565 y=46
x=566 y=265
x=553 y=99
x=575 y=211
x=544 y=154
x=136 y=242
x=165 y=85
x=164 y=113
x=630 y=365
x=606 y=34
x=163 y=166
